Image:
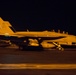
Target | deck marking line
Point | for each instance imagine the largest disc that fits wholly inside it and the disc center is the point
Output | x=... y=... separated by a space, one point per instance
x=37 y=66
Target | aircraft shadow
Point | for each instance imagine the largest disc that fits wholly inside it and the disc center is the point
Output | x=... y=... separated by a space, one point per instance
x=32 y=48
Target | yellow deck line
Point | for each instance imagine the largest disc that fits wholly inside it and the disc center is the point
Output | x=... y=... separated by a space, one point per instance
x=37 y=66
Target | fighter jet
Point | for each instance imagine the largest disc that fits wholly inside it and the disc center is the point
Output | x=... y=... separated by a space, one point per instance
x=42 y=39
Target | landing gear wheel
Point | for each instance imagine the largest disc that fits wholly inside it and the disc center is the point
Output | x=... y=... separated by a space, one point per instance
x=60 y=48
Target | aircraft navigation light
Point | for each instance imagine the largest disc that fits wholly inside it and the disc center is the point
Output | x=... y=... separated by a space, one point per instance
x=6 y=34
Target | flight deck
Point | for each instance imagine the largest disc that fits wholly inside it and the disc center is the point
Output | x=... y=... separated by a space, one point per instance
x=47 y=62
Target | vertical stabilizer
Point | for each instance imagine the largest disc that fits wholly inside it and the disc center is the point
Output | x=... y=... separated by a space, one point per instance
x=6 y=27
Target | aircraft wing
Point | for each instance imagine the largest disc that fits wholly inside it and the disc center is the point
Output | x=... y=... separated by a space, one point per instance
x=10 y=37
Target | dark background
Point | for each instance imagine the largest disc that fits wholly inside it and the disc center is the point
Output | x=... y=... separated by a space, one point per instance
x=40 y=15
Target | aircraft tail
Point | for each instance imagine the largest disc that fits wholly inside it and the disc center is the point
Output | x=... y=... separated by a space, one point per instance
x=6 y=27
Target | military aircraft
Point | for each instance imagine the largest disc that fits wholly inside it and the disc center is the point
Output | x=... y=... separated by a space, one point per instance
x=38 y=39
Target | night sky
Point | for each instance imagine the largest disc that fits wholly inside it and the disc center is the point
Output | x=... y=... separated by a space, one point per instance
x=40 y=15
